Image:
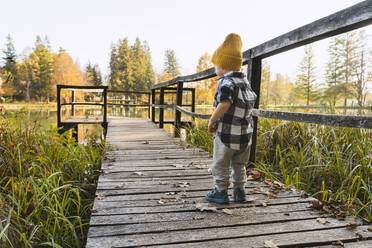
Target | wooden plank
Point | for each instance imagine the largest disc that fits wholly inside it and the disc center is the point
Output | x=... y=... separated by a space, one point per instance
x=235 y=232
x=285 y=239
x=202 y=222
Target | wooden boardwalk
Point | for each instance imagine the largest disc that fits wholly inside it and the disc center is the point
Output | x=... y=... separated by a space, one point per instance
x=152 y=186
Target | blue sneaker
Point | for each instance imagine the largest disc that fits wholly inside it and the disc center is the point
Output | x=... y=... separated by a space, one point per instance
x=217 y=196
x=239 y=195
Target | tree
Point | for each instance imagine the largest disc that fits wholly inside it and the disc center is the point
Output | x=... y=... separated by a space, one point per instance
x=42 y=61
x=130 y=66
x=204 y=89
x=10 y=69
x=93 y=74
x=171 y=65
x=305 y=79
x=265 y=83
x=334 y=70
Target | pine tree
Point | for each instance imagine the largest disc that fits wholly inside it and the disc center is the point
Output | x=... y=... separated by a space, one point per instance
x=305 y=80
x=333 y=74
x=42 y=59
x=10 y=69
x=171 y=65
x=93 y=74
x=265 y=83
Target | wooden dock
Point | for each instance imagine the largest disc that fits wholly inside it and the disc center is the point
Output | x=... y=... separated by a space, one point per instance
x=152 y=189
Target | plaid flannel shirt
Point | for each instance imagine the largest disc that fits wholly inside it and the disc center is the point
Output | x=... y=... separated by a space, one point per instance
x=235 y=126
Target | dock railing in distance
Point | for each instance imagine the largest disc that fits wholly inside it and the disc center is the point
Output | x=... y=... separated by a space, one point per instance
x=72 y=122
x=351 y=18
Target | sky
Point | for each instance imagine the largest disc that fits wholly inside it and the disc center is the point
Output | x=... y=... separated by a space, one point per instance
x=88 y=29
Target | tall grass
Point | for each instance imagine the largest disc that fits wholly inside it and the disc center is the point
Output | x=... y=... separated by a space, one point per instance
x=331 y=163
x=47 y=184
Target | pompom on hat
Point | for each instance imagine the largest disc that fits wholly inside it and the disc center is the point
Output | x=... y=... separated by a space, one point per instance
x=229 y=54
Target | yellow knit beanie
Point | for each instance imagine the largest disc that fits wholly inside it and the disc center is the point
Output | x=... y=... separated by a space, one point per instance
x=229 y=54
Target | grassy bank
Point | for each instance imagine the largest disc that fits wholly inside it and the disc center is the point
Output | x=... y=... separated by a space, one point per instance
x=47 y=184
x=333 y=164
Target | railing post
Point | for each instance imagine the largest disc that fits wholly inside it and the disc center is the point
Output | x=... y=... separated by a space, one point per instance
x=149 y=103
x=104 y=123
x=152 y=105
x=59 y=106
x=177 y=116
x=193 y=102
x=161 y=110
x=254 y=77
x=72 y=103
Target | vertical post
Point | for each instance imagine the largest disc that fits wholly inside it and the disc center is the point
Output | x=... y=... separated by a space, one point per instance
x=177 y=116
x=105 y=104
x=58 y=106
x=254 y=77
x=149 y=103
x=161 y=111
x=72 y=103
x=152 y=105
x=193 y=102
x=104 y=123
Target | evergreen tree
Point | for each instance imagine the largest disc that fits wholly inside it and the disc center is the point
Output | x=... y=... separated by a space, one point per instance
x=10 y=69
x=171 y=65
x=265 y=83
x=305 y=80
x=333 y=74
x=42 y=59
x=150 y=75
x=93 y=74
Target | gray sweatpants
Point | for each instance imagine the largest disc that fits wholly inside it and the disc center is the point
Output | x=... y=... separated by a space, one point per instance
x=223 y=158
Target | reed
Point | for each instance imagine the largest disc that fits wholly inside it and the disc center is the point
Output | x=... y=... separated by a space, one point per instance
x=47 y=184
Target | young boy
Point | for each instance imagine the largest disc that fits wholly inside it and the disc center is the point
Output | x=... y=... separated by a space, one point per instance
x=231 y=122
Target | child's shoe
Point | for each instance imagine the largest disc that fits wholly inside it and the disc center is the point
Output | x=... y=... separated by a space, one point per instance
x=217 y=196
x=239 y=195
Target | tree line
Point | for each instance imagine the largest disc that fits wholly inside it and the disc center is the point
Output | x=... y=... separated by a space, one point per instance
x=34 y=76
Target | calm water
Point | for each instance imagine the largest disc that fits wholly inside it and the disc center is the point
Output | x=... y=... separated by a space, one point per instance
x=48 y=117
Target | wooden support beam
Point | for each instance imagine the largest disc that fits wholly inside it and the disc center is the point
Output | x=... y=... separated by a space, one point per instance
x=152 y=105
x=254 y=77
x=177 y=115
x=73 y=102
x=161 y=111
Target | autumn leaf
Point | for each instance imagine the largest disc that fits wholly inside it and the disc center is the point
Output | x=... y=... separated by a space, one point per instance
x=352 y=225
x=120 y=186
x=10 y=144
x=101 y=197
x=137 y=173
x=146 y=142
x=205 y=207
x=322 y=220
x=228 y=211
x=198 y=217
x=93 y=211
x=163 y=182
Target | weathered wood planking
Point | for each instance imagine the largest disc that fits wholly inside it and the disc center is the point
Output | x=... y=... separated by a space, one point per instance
x=151 y=185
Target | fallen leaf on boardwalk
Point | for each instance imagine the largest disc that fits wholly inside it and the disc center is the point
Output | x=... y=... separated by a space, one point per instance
x=182 y=185
x=270 y=244
x=250 y=199
x=257 y=175
x=209 y=170
x=163 y=182
x=111 y=160
x=110 y=165
x=120 y=186
x=103 y=172
x=198 y=217
x=369 y=229
x=170 y=193
x=146 y=142
x=287 y=214
x=160 y=216
x=322 y=220
x=268 y=181
x=263 y=203
x=360 y=236
x=316 y=204
x=228 y=211
x=161 y=201
x=205 y=207
x=137 y=173
x=304 y=194
x=93 y=211
x=338 y=242
x=100 y=197
x=352 y=225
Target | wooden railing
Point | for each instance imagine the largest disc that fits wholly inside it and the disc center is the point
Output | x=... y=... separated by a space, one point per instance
x=345 y=20
x=73 y=121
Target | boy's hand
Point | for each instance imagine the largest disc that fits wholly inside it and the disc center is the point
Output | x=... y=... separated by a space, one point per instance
x=211 y=127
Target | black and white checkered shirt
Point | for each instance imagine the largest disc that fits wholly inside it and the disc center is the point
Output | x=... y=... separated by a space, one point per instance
x=235 y=126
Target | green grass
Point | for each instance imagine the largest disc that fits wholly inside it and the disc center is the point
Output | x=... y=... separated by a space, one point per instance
x=328 y=162
x=47 y=184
